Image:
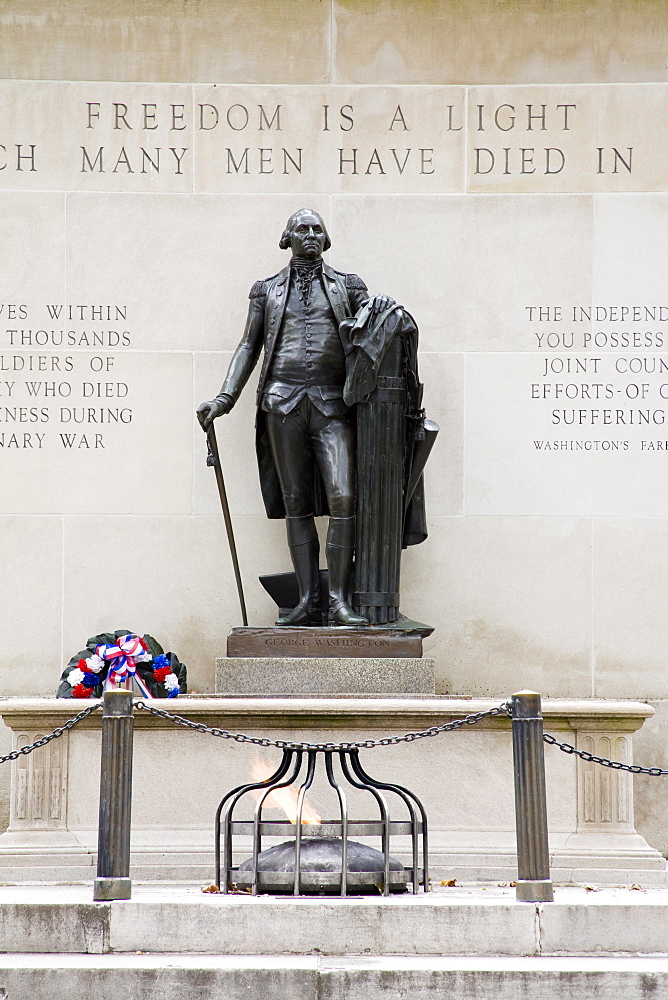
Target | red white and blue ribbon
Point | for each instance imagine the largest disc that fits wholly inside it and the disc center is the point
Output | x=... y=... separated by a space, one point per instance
x=123 y=657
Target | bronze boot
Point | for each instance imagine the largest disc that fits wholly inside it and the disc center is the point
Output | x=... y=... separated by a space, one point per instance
x=304 y=551
x=340 y=549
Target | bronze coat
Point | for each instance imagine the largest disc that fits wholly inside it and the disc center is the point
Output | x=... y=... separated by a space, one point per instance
x=346 y=294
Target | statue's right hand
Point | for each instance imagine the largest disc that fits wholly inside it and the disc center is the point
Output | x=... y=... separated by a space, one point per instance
x=207 y=412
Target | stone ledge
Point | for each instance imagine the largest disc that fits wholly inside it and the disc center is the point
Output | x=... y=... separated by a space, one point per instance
x=332 y=712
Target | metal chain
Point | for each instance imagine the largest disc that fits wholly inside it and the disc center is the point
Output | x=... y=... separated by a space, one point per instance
x=616 y=765
x=201 y=727
x=43 y=740
x=447 y=727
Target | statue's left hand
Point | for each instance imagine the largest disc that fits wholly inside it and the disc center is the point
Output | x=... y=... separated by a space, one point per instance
x=380 y=303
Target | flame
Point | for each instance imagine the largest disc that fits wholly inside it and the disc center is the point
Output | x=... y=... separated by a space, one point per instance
x=284 y=799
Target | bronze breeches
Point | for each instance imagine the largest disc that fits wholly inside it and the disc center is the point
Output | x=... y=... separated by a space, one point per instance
x=303 y=437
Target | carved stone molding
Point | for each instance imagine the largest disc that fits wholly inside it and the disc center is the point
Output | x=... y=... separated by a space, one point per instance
x=39 y=784
x=605 y=796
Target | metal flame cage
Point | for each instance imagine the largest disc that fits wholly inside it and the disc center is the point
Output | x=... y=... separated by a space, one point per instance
x=298 y=881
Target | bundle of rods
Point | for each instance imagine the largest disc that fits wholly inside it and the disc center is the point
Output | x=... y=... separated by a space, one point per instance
x=381 y=423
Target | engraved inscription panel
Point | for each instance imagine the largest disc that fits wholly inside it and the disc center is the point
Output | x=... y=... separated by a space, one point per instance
x=282 y=642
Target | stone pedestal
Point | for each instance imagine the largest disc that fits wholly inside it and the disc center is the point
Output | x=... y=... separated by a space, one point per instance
x=332 y=675
x=326 y=661
x=464 y=778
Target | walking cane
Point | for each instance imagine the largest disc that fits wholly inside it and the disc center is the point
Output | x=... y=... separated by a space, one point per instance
x=213 y=458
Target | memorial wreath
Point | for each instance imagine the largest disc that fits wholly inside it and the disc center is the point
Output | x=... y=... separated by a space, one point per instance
x=123 y=659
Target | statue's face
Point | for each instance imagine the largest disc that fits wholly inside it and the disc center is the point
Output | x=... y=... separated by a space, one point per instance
x=307 y=237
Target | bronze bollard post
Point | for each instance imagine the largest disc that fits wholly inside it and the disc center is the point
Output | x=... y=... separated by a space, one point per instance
x=533 y=857
x=113 y=839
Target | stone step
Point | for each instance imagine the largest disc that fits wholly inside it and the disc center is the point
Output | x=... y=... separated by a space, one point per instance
x=455 y=922
x=210 y=977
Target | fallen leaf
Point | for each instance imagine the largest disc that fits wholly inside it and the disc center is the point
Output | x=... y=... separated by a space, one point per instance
x=638 y=888
x=210 y=888
x=450 y=881
x=501 y=884
x=512 y=884
x=590 y=888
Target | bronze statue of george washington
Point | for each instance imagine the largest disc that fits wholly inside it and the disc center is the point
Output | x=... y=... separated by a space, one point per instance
x=305 y=434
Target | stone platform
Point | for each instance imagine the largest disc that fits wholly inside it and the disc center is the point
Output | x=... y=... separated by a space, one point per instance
x=464 y=778
x=483 y=920
x=169 y=942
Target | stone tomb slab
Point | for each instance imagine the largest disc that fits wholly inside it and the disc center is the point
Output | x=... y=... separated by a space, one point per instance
x=325 y=675
x=464 y=780
x=322 y=642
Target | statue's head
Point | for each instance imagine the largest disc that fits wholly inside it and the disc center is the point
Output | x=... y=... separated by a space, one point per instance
x=305 y=234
